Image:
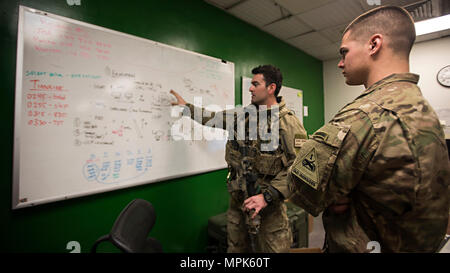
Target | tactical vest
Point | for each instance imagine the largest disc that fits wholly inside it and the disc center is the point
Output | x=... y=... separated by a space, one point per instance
x=245 y=156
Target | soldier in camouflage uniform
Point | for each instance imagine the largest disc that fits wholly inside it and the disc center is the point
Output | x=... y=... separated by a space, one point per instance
x=268 y=167
x=379 y=169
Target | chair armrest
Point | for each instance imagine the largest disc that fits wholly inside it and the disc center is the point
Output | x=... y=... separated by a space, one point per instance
x=99 y=240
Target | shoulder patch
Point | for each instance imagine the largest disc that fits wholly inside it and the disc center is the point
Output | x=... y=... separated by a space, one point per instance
x=307 y=169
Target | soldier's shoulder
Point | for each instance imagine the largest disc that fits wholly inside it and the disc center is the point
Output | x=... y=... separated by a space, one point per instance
x=397 y=93
x=358 y=121
x=400 y=86
x=290 y=123
x=289 y=118
x=372 y=107
x=288 y=115
x=351 y=113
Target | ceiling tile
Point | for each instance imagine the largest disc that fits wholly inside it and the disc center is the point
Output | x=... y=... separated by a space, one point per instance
x=332 y=14
x=315 y=27
x=328 y=49
x=257 y=12
x=300 y=6
x=287 y=28
x=309 y=40
x=334 y=33
x=328 y=57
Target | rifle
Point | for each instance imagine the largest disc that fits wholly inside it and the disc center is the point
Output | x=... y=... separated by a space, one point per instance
x=251 y=189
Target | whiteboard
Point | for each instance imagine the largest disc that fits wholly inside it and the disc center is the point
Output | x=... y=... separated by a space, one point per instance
x=293 y=97
x=93 y=112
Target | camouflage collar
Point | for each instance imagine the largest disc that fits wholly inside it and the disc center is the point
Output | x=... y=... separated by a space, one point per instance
x=409 y=77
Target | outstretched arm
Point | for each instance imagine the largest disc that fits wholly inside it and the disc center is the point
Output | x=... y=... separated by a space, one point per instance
x=201 y=115
x=180 y=100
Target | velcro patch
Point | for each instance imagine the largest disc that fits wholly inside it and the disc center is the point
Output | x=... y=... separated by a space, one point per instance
x=298 y=143
x=307 y=169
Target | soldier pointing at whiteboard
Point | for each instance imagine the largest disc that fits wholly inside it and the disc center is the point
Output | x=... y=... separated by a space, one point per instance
x=256 y=217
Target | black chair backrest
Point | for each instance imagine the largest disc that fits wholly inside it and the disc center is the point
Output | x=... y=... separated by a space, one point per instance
x=132 y=226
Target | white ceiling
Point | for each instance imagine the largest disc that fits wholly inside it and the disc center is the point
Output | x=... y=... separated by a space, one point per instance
x=316 y=26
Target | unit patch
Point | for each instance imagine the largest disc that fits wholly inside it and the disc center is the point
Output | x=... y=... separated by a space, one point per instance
x=307 y=169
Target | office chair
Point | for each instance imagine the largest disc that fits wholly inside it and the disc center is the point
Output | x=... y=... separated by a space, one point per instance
x=130 y=230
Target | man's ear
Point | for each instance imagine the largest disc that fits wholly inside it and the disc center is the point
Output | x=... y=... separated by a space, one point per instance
x=375 y=44
x=271 y=88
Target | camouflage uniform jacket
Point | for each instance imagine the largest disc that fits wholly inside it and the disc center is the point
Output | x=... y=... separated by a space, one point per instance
x=386 y=152
x=271 y=166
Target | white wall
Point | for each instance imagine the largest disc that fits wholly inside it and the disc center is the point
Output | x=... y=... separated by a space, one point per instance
x=426 y=59
x=336 y=92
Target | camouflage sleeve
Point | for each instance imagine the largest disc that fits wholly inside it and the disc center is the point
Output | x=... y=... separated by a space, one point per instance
x=290 y=130
x=331 y=163
x=208 y=118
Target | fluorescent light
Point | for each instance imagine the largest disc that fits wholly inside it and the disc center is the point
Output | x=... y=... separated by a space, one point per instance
x=432 y=25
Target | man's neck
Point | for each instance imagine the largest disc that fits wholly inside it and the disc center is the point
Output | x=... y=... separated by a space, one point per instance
x=383 y=69
x=270 y=102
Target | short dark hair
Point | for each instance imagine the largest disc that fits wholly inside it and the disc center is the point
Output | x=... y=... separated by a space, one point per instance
x=271 y=75
x=392 y=21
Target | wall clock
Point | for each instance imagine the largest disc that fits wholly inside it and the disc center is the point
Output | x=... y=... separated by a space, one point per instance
x=443 y=76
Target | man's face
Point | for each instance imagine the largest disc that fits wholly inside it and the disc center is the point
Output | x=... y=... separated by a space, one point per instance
x=258 y=89
x=353 y=62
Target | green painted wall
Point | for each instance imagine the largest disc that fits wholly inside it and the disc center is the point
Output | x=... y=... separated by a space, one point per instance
x=183 y=205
